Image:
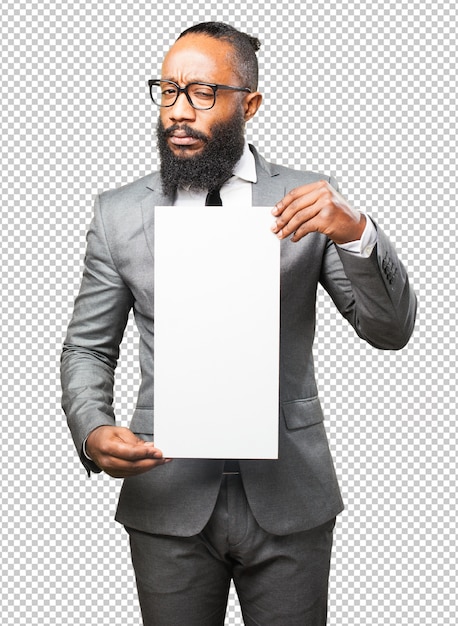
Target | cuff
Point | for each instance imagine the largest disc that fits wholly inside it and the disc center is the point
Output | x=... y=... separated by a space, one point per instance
x=85 y=452
x=363 y=247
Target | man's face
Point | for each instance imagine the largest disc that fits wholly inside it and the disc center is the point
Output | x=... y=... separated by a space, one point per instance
x=199 y=149
x=198 y=57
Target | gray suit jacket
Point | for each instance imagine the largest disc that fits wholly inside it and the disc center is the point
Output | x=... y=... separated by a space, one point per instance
x=299 y=490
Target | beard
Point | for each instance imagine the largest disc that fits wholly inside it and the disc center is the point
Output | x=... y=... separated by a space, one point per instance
x=212 y=166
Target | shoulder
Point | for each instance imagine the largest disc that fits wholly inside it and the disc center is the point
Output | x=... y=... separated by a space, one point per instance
x=119 y=213
x=300 y=176
x=130 y=195
x=290 y=177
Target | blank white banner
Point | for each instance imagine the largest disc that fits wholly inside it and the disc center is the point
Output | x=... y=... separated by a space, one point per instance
x=216 y=332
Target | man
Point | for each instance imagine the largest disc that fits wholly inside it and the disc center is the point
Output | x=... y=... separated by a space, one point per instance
x=196 y=524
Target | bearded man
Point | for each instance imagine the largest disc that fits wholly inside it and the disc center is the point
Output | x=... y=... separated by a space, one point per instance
x=197 y=524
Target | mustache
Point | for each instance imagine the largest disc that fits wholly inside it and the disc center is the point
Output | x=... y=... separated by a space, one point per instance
x=190 y=132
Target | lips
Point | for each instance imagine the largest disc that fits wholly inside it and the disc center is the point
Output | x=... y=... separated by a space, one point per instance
x=184 y=136
x=180 y=138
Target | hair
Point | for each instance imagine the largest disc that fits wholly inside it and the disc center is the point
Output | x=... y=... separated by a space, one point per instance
x=244 y=46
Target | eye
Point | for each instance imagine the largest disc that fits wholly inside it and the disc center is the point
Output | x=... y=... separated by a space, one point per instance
x=168 y=91
x=201 y=92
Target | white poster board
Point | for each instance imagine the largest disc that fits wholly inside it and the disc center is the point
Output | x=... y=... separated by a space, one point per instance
x=216 y=332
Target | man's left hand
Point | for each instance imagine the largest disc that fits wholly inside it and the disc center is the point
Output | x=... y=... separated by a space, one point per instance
x=317 y=207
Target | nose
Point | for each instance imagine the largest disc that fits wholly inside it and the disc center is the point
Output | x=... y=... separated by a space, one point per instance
x=182 y=110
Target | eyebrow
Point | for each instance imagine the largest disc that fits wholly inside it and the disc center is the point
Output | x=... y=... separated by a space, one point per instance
x=194 y=80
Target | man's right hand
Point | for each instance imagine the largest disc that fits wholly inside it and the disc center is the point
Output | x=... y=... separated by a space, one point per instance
x=120 y=453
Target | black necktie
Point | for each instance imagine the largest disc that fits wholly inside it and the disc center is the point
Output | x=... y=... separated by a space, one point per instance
x=213 y=198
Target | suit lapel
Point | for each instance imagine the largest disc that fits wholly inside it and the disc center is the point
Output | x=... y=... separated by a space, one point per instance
x=154 y=198
x=269 y=187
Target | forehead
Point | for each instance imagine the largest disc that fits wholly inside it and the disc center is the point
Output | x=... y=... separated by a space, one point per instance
x=200 y=57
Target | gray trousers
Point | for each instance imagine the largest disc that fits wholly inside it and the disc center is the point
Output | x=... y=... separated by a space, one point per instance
x=280 y=580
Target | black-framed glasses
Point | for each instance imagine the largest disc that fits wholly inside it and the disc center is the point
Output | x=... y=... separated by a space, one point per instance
x=201 y=96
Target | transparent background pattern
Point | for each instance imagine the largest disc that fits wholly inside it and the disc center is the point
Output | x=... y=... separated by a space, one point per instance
x=365 y=91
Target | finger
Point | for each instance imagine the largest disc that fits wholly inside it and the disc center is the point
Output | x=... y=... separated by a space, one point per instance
x=300 y=211
x=135 y=451
x=297 y=221
x=307 y=193
x=304 y=229
x=119 y=468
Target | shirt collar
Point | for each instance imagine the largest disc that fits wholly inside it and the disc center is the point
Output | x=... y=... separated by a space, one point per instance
x=246 y=166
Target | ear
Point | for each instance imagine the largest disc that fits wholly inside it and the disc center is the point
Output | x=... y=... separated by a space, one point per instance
x=251 y=104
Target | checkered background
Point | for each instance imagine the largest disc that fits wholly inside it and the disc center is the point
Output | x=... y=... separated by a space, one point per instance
x=365 y=91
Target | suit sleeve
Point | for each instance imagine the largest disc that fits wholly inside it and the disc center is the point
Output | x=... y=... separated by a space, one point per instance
x=373 y=294
x=91 y=347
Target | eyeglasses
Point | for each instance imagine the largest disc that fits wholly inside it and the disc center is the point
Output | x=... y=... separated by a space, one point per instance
x=201 y=96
